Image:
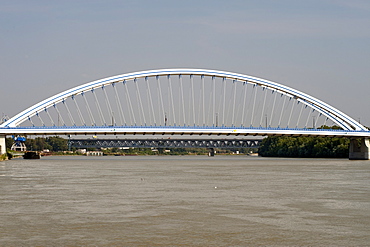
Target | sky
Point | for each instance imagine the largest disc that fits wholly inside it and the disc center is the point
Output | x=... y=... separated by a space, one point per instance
x=320 y=47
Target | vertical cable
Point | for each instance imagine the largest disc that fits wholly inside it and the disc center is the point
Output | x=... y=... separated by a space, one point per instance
x=299 y=117
x=29 y=119
x=263 y=106
x=254 y=103
x=171 y=98
x=282 y=110
x=99 y=109
x=69 y=113
x=133 y=120
x=192 y=95
x=119 y=105
x=182 y=99
x=245 y=85
x=79 y=111
x=51 y=120
x=42 y=122
x=234 y=100
x=317 y=120
x=140 y=102
x=199 y=106
x=59 y=116
x=326 y=119
x=213 y=100
x=150 y=99
x=273 y=108
x=224 y=100
x=209 y=110
x=203 y=106
x=108 y=105
x=160 y=97
x=93 y=123
x=308 y=117
x=291 y=112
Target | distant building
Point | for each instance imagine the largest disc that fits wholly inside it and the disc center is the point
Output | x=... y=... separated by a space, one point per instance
x=94 y=153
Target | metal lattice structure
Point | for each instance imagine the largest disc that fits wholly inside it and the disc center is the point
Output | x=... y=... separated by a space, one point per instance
x=182 y=101
x=164 y=143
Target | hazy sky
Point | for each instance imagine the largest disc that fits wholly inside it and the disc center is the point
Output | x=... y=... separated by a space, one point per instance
x=320 y=47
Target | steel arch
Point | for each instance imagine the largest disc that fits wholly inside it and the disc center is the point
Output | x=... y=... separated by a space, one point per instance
x=338 y=117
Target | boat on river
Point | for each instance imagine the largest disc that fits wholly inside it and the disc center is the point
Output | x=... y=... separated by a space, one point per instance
x=31 y=155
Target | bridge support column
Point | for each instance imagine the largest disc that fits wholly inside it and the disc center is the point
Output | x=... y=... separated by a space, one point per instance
x=2 y=145
x=211 y=152
x=359 y=149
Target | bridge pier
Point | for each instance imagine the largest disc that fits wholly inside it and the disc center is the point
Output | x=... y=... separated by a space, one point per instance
x=2 y=145
x=359 y=149
x=211 y=152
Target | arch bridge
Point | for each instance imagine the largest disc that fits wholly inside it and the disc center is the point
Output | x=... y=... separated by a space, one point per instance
x=190 y=102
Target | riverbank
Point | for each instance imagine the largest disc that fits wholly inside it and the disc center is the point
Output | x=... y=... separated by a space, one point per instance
x=3 y=157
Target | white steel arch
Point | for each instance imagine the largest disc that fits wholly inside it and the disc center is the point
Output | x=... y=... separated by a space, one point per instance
x=338 y=117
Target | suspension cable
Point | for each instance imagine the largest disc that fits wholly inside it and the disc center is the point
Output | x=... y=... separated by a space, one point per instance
x=78 y=111
x=315 y=121
x=254 y=103
x=213 y=100
x=119 y=105
x=308 y=117
x=51 y=120
x=326 y=119
x=273 y=108
x=192 y=96
x=263 y=106
x=29 y=119
x=102 y=119
x=182 y=99
x=171 y=98
x=59 y=115
x=161 y=100
x=291 y=112
x=224 y=101
x=245 y=85
x=108 y=105
x=203 y=107
x=234 y=99
x=281 y=113
x=209 y=111
x=133 y=120
x=150 y=100
x=42 y=122
x=300 y=114
x=140 y=102
x=93 y=123
x=69 y=113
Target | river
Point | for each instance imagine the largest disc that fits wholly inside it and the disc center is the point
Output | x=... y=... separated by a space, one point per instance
x=184 y=201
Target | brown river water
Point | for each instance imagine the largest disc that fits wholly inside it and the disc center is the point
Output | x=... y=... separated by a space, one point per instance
x=184 y=201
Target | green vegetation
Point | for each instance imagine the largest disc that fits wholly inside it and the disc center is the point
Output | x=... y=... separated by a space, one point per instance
x=305 y=147
x=3 y=157
x=53 y=143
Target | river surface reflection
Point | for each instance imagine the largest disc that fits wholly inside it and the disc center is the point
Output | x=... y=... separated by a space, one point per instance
x=184 y=200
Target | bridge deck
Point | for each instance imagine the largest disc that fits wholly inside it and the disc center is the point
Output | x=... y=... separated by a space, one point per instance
x=180 y=131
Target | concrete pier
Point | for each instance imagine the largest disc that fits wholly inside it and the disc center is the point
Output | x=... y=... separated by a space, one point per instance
x=2 y=145
x=359 y=149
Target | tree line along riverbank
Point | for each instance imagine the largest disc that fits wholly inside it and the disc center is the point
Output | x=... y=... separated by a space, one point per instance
x=305 y=147
x=277 y=146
